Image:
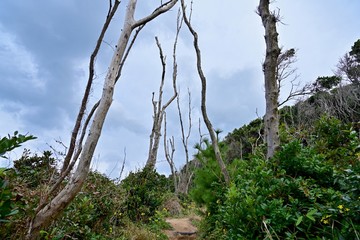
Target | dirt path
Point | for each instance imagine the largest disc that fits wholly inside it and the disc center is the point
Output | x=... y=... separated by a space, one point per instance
x=182 y=228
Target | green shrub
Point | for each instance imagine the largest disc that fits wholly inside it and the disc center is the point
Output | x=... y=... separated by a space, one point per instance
x=7 y=207
x=145 y=193
x=339 y=142
x=305 y=162
x=35 y=170
x=7 y=203
x=93 y=213
x=103 y=209
x=207 y=183
x=297 y=195
x=244 y=141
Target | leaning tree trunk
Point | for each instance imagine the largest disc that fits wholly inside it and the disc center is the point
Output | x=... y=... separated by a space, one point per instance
x=271 y=118
x=50 y=211
x=214 y=140
x=57 y=205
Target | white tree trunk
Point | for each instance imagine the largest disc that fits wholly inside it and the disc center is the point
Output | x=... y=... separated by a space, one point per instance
x=50 y=211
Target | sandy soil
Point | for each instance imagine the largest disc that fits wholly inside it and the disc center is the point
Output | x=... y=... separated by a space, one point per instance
x=182 y=228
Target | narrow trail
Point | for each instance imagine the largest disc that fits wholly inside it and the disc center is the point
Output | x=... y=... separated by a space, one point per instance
x=183 y=228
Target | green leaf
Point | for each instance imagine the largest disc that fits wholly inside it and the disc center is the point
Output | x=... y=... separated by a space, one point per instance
x=299 y=220
x=310 y=214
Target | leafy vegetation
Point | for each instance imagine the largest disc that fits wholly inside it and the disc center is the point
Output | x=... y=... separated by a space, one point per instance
x=304 y=192
x=11 y=142
x=309 y=189
x=7 y=206
x=146 y=193
x=103 y=209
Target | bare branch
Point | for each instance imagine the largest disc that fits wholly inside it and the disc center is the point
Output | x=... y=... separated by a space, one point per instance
x=284 y=70
x=185 y=139
x=348 y=68
x=185 y=179
x=170 y=155
x=123 y=165
x=161 y=9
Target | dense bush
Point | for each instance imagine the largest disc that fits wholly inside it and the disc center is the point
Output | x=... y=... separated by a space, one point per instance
x=92 y=214
x=145 y=193
x=338 y=141
x=7 y=201
x=7 y=207
x=35 y=170
x=103 y=209
x=304 y=192
x=243 y=142
x=208 y=183
x=27 y=180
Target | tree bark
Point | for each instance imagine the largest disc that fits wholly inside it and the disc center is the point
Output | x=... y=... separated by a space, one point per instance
x=50 y=211
x=271 y=118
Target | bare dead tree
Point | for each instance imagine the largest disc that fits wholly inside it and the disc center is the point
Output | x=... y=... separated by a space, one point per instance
x=203 y=96
x=159 y=110
x=347 y=103
x=342 y=103
x=271 y=119
x=348 y=68
x=74 y=155
x=182 y=178
x=169 y=155
x=185 y=175
x=51 y=206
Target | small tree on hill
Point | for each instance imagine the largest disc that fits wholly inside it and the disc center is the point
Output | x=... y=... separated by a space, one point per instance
x=349 y=65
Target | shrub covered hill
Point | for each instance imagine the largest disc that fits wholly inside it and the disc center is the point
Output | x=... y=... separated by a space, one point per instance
x=310 y=189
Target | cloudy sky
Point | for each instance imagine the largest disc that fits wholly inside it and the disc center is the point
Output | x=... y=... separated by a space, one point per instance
x=45 y=47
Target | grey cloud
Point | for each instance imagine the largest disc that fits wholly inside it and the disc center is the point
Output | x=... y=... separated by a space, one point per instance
x=234 y=101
